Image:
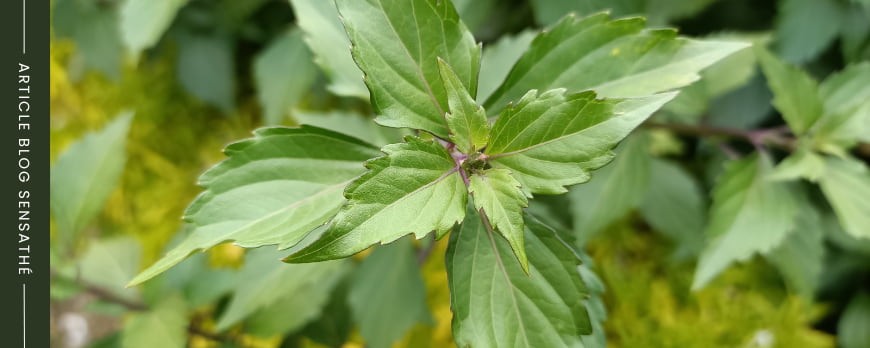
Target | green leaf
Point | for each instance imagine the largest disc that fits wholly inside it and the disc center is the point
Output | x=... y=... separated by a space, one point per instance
x=847 y=113
x=804 y=28
x=396 y=43
x=469 y=128
x=351 y=123
x=273 y=189
x=795 y=92
x=496 y=304
x=215 y=82
x=499 y=196
x=553 y=139
x=84 y=176
x=674 y=204
x=387 y=296
x=616 y=58
x=852 y=328
x=497 y=60
x=750 y=214
x=327 y=39
x=275 y=298
x=111 y=262
x=416 y=188
x=613 y=192
x=143 y=22
x=803 y=163
x=846 y=185
x=163 y=326
x=283 y=73
x=475 y=13
x=658 y=11
x=801 y=255
x=94 y=29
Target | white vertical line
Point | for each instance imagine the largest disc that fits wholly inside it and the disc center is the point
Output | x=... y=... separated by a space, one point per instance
x=23 y=27
x=23 y=315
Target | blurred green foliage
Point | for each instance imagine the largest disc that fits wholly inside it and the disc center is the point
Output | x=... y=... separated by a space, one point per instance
x=200 y=74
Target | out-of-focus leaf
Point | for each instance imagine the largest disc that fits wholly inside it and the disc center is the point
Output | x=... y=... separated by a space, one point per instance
x=674 y=205
x=335 y=323
x=265 y=284
x=165 y=325
x=143 y=22
x=554 y=139
x=387 y=296
x=397 y=44
x=750 y=215
x=658 y=11
x=498 y=195
x=284 y=73
x=474 y=13
x=615 y=58
x=852 y=329
x=803 y=163
x=847 y=112
x=846 y=185
x=806 y=27
x=855 y=33
x=496 y=304
x=497 y=60
x=85 y=175
x=304 y=297
x=94 y=29
x=214 y=82
x=415 y=189
x=801 y=255
x=745 y=107
x=795 y=93
x=110 y=263
x=325 y=35
x=614 y=191
x=272 y=190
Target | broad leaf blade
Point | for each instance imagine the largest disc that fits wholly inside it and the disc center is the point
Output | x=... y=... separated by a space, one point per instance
x=396 y=43
x=499 y=196
x=805 y=27
x=846 y=185
x=84 y=176
x=387 y=295
x=283 y=73
x=795 y=93
x=327 y=39
x=553 y=139
x=415 y=189
x=616 y=58
x=852 y=326
x=273 y=189
x=800 y=258
x=750 y=214
x=847 y=114
x=469 y=128
x=496 y=304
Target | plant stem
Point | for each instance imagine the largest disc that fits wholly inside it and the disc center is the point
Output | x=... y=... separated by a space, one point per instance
x=778 y=136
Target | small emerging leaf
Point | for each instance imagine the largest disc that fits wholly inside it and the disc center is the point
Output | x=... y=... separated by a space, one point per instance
x=273 y=189
x=469 y=128
x=415 y=189
x=499 y=196
x=555 y=139
x=396 y=43
x=496 y=304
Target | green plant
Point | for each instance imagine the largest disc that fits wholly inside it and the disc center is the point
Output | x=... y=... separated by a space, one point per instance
x=594 y=139
x=580 y=88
